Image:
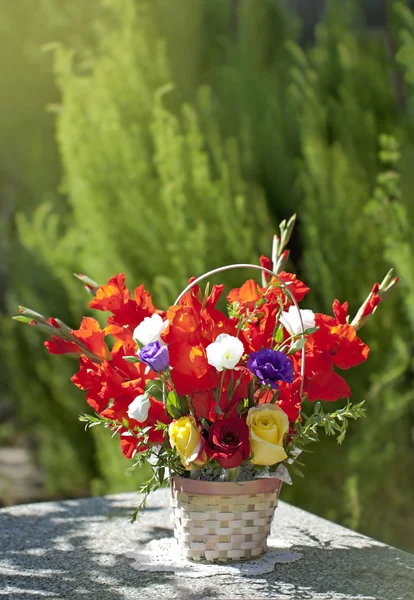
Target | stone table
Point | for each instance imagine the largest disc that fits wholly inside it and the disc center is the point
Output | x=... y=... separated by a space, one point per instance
x=80 y=549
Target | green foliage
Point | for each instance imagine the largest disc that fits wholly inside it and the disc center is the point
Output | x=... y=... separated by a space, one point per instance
x=334 y=423
x=176 y=121
x=148 y=194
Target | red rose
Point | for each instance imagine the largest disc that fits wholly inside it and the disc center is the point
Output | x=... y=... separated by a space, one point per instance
x=228 y=442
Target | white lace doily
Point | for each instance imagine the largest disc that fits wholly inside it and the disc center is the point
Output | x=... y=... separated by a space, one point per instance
x=163 y=555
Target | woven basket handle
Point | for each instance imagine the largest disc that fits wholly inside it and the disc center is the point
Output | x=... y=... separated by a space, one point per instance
x=263 y=270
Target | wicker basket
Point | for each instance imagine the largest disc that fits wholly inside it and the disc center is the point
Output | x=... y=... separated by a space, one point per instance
x=223 y=521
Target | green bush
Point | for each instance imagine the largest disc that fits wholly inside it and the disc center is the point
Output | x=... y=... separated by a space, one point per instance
x=186 y=131
x=148 y=195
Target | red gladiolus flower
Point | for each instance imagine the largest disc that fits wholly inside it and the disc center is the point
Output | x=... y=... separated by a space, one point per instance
x=119 y=411
x=321 y=381
x=130 y=444
x=58 y=345
x=288 y=399
x=338 y=342
x=111 y=296
x=373 y=301
x=340 y=311
x=235 y=388
x=90 y=335
x=267 y=264
x=296 y=286
x=91 y=378
x=190 y=330
x=214 y=296
x=249 y=293
x=228 y=442
x=53 y=322
x=111 y=379
x=127 y=312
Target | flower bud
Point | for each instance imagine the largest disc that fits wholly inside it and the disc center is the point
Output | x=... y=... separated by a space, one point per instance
x=139 y=408
x=225 y=352
x=156 y=356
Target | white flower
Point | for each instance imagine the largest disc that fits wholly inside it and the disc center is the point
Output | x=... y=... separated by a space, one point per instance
x=290 y=320
x=138 y=409
x=150 y=329
x=225 y=352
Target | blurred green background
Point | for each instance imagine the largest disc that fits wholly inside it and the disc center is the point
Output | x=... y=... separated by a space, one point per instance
x=165 y=137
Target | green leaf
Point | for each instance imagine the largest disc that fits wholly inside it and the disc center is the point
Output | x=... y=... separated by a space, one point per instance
x=131 y=359
x=311 y=330
x=318 y=408
x=155 y=390
x=159 y=426
x=251 y=394
x=89 y=283
x=176 y=406
x=233 y=474
x=232 y=388
x=205 y=423
x=275 y=397
x=279 y=334
x=296 y=346
x=27 y=312
x=217 y=399
x=297 y=472
x=22 y=319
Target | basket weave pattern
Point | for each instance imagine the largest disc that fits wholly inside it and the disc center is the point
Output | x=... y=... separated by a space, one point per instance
x=222 y=528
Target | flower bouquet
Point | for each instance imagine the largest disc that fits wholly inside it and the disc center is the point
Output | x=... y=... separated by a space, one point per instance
x=216 y=403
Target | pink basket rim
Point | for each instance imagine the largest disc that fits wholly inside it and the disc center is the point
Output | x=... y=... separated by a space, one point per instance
x=226 y=488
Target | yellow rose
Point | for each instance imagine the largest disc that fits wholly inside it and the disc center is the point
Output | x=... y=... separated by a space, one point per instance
x=186 y=439
x=268 y=424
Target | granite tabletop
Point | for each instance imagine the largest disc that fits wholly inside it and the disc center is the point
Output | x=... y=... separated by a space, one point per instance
x=81 y=549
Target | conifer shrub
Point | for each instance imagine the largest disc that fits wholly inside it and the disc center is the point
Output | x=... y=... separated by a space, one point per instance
x=186 y=131
x=148 y=195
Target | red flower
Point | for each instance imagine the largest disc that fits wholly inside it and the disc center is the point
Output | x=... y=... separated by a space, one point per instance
x=249 y=293
x=338 y=342
x=321 y=381
x=259 y=332
x=334 y=344
x=204 y=402
x=111 y=296
x=190 y=330
x=214 y=296
x=90 y=377
x=53 y=322
x=288 y=399
x=296 y=287
x=373 y=300
x=228 y=442
x=127 y=312
x=111 y=379
x=184 y=325
x=118 y=411
x=90 y=335
x=130 y=444
x=57 y=345
x=340 y=311
x=267 y=264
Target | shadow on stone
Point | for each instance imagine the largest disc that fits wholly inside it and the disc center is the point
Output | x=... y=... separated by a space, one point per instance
x=83 y=549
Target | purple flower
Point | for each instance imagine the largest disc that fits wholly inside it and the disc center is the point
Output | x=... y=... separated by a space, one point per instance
x=271 y=366
x=155 y=356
